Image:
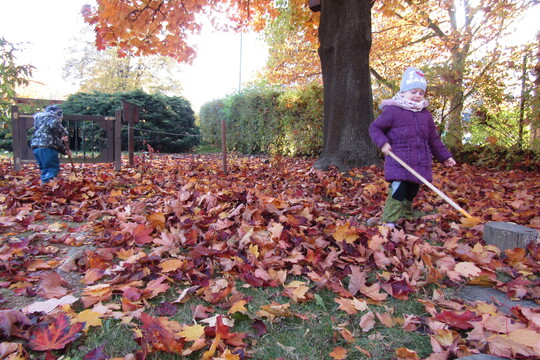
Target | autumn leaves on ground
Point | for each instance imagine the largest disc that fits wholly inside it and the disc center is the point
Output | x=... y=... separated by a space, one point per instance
x=272 y=245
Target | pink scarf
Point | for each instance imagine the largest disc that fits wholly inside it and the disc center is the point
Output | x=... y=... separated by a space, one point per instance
x=399 y=100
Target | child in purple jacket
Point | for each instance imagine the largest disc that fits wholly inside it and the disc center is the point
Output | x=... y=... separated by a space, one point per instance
x=406 y=128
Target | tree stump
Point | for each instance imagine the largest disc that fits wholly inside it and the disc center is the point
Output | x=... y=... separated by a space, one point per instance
x=508 y=235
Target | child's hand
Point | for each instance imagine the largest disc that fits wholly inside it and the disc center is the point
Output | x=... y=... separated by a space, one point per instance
x=449 y=162
x=386 y=148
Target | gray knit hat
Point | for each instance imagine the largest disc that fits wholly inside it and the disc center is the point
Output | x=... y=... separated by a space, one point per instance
x=413 y=78
x=55 y=110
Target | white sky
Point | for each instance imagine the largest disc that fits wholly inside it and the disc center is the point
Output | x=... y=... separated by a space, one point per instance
x=44 y=30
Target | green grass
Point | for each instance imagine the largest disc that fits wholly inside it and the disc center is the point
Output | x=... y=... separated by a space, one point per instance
x=207 y=149
x=312 y=334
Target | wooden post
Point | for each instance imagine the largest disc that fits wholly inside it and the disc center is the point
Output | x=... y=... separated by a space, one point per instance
x=131 y=113
x=118 y=141
x=131 y=142
x=224 y=145
x=17 y=151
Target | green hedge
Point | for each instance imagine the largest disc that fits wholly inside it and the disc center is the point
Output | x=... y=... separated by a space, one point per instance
x=269 y=121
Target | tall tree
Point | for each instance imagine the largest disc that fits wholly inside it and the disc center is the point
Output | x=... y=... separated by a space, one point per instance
x=11 y=76
x=106 y=72
x=162 y=27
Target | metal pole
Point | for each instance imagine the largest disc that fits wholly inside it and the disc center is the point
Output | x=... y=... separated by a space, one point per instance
x=240 y=69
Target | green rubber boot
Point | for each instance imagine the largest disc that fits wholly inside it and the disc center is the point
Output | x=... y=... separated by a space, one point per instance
x=407 y=211
x=393 y=210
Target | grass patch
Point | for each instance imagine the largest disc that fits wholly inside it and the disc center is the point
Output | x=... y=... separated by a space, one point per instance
x=312 y=330
x=207 y=149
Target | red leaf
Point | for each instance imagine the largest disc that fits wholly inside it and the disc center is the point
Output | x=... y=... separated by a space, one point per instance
x=55 y=334
x=460 y=321
x=141 y=235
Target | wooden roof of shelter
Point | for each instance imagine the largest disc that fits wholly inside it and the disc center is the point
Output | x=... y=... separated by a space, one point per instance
x=19 y=100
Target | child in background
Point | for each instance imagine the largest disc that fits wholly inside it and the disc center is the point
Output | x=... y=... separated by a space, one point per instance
x=49 y=139
x=406 y=128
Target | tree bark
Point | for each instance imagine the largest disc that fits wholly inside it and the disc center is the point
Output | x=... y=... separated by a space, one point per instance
x=535 y=121
x=345 y=43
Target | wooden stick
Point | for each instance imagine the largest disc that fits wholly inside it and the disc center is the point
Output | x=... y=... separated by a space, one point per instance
x=70 y=158
x=430 y=185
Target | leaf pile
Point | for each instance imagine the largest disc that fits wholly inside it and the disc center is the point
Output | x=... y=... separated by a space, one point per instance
x=176 y=226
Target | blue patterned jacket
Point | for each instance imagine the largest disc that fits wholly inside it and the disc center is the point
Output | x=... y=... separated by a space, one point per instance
x=49 y=130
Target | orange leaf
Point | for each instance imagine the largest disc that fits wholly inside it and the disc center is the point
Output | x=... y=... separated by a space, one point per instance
x=239 y=306
x=406 y=354
x=339 y=353
x=470 y=222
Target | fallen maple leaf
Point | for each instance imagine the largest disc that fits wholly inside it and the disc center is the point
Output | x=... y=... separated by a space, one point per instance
x=344 y=232
x=239 y=306
x=339 y=353
x=55 y=334
x=406 y=354
x=467 y=269
x=192 y=333
x=141 y=234
x=460 y=321
x=367 y=321
x=89 y=318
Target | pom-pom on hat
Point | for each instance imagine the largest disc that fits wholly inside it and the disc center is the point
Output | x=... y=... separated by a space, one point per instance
x=55 y=110
x=413 y=78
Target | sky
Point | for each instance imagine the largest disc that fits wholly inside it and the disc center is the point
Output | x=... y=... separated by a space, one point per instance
x=43 y=31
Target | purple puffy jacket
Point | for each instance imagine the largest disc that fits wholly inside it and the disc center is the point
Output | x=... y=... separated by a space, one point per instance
x=413 y=137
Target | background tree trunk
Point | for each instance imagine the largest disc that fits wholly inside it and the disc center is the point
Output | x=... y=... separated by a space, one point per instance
x=535 y=121
x=345 y=43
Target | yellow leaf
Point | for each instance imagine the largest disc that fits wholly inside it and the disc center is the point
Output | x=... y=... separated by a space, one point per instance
x=228 y=355
x=254 y=250
x=192 y=333
x=239 y=306
x=345 y=233
x=91 y=318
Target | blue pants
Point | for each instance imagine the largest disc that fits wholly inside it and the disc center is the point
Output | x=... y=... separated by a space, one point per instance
x=48 y=162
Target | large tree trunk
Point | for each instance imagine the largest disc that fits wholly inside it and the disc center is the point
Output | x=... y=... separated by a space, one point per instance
x=345 y=43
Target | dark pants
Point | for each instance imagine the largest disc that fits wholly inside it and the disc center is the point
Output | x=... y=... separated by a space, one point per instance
x=405 y=190
x=48 y=163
